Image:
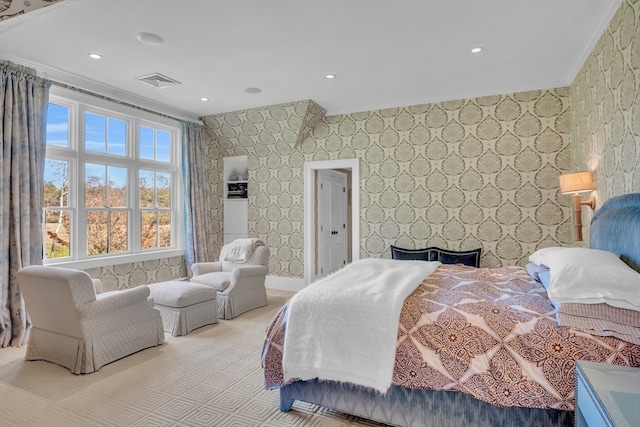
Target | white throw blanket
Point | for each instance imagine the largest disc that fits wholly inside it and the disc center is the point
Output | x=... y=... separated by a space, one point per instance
x=240 y=250
x=345 y=326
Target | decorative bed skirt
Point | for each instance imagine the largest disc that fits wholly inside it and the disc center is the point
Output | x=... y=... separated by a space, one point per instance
x=420 y=408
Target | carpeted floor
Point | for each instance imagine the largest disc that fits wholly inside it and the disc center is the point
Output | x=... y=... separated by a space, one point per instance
x=211 y=377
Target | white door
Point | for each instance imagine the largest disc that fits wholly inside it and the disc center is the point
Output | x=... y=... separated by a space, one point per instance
x=331 y=225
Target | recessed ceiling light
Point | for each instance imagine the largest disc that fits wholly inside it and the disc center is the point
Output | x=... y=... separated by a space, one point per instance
x=330 y=76
x=95 y=55
x=204 y=99
x=150 y=38
x=476 y=50
x=253 y=90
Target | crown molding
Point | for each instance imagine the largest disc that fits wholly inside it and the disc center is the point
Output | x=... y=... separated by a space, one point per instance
x=98 y=88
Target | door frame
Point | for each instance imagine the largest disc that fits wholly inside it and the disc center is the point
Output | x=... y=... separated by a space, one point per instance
x=309 y=210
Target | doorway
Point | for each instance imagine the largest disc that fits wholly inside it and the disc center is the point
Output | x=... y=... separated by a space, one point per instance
x=311 y=223
x=332 y=224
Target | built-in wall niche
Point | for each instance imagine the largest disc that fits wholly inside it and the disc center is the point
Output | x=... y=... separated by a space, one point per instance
x=237 y=190
x=236 y=177
x=236 y=198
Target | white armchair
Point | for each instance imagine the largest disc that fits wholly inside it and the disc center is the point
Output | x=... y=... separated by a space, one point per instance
x=240 y=285
x=82 y=331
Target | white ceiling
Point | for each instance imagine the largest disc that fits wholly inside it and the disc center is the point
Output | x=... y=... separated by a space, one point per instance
x=384 y=53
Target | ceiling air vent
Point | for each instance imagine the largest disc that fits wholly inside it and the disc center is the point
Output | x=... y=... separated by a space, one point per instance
x=158 y=80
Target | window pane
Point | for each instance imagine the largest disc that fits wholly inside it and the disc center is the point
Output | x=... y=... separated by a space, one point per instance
x=147 y=187
x=163 y=189
x=117 y=191
x=165 y=229
x=95 y=192
x=94 y=132
x=155 y=144
x=147 y=146
x=148 y=230
x=119 y=222
x=57 y=234
x=117 y=137
x=56 y=183
x=107 y=232
x=97 y=233
x=57 y=125
x=163 y=146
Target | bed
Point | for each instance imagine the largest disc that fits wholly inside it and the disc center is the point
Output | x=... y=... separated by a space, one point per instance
x=479 y=346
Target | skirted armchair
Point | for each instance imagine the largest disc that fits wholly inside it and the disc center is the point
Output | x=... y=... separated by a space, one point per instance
x=82 y=331
x=239 y=281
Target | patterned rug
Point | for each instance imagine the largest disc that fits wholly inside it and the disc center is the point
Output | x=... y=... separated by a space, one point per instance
x=211 y=377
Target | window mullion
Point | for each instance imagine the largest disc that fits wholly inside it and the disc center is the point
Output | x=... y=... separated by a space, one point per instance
x=134 y=194
x=81 y=223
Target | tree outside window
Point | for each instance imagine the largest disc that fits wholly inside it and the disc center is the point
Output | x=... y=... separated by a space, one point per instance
x=108 y=184
x=57 y=216
x=155 y=206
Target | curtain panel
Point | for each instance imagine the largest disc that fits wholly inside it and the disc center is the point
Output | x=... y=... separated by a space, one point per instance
x=23 y=107
x=198 y=228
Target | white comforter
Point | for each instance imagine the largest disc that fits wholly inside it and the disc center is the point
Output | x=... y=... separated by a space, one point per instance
x=344 y=327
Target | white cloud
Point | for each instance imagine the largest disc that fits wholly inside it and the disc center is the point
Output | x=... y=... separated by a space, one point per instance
x=57 y=127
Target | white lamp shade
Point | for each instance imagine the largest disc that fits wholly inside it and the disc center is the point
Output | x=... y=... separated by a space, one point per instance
x=577 y=182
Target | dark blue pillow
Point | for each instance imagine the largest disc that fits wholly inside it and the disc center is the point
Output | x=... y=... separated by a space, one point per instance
x=471 y=258
x=410 y=254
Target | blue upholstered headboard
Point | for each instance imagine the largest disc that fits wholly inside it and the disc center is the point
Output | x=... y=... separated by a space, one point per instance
x=615 y=227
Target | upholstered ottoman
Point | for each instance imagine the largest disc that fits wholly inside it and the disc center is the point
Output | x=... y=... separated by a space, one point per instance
x=184 y=306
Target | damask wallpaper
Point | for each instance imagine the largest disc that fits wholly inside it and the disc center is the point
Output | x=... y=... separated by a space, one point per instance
x=606 y=111
x=12 y=8
x=481 y=172
x=471 y=173
x=128 y=275
x=461 y=174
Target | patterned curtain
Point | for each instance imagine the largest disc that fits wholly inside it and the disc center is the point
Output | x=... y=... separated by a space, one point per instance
x=23 y=111
x=198 y=229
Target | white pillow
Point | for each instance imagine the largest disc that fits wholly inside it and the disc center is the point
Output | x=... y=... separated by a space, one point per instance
x=589 y=276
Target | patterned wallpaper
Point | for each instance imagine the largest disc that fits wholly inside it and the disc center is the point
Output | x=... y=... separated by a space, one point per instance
x=606 y=111
x=268 y=136
x=462 y=174
x=132 y=274
x=481 y=172
x=12 y=8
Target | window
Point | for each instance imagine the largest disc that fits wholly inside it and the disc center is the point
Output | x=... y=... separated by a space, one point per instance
x=112 y=183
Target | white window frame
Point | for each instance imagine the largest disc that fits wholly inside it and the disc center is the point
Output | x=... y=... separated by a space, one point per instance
x=79 y=103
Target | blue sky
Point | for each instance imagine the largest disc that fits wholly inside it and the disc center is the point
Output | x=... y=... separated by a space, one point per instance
x=107 y=134
x=104 y=134
x=58 y=125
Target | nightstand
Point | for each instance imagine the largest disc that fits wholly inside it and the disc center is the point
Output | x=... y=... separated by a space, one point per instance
x=607 y=395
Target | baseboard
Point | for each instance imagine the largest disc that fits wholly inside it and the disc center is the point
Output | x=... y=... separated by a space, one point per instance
x=292 y=284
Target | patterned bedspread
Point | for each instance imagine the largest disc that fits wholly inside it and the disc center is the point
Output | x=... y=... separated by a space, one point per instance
x=488 y=333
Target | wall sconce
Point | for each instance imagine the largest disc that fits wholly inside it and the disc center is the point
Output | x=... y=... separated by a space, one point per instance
x=576 y=183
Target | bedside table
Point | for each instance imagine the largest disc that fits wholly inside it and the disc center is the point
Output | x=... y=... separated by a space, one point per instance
x=607 y=395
